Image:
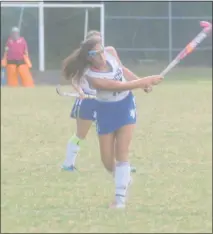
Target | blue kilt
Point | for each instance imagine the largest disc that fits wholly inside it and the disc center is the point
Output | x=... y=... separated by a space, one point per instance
x=111 y=116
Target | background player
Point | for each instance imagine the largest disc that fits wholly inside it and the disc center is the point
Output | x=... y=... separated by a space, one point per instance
x=16 y=60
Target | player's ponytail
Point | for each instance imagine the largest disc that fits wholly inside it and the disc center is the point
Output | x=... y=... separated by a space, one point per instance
x=70 y=65
x=75 y=65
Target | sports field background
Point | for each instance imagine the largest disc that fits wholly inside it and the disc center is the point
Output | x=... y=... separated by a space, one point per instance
x=172 y=150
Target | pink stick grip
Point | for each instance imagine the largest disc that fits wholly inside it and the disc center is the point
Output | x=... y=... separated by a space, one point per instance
x=207 y=27
x=205 y=24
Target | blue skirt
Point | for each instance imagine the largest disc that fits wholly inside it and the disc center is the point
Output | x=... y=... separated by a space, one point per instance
x=84 y=109
x=111 y=116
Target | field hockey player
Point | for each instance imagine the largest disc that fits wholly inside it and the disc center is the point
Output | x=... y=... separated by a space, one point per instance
x=116 y=110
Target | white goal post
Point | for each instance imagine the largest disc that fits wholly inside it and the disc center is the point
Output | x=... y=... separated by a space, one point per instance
x=41 y=30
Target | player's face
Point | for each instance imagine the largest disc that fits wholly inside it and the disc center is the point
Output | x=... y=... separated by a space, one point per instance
x=15 y=35
x=97 y=56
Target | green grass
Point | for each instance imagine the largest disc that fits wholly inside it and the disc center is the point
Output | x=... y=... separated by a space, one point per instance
x=172 y=150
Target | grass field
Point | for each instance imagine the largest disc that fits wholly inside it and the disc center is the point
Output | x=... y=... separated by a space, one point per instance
x=172 y=150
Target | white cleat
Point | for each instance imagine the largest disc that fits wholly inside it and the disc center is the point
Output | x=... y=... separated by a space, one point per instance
x=116 y=205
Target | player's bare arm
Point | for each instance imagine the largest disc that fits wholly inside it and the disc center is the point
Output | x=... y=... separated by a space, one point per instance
x=114 y=85
x=129 y=75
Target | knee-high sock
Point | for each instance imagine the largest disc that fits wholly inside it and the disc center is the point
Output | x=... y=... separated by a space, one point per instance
x=122 y=179
x=73 y=147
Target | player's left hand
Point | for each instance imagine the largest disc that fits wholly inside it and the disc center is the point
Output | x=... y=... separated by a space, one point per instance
x=82 y=95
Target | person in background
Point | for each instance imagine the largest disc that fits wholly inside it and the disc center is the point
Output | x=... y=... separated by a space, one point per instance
x=16 y=60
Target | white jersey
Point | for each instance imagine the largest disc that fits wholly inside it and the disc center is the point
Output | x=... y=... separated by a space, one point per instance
x=115 y=74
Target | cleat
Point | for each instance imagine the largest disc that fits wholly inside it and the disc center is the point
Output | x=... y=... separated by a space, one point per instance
x=68 y=168
x=115 y=205
x=132 y=169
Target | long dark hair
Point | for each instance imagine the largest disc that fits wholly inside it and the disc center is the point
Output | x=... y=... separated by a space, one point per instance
x=76 y=63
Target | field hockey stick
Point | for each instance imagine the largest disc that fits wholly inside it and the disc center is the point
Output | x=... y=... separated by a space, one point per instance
x=69 y=94
x=207 y=28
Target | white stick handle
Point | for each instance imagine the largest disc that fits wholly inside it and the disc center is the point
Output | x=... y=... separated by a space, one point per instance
x=69 y=94
x=77 y=95
x=169 y=67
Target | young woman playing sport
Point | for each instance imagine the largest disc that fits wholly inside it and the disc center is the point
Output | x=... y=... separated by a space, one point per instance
x=115 y=107
x=84 y=113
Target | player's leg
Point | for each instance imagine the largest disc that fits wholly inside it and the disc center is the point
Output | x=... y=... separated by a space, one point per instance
x=123 y=140
x=83 y=113
x=125 y=122
x=12 y=75
x=106 y=144
x=74 y=143
x=109 y=162
x=122 y=168
x=25 y=75
x=108 y=157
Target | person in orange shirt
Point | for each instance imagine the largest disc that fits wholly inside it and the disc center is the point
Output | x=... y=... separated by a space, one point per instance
x=16 y=60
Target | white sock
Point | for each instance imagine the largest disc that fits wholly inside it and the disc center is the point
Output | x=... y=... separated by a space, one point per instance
x=72 y=151
x=122 y=179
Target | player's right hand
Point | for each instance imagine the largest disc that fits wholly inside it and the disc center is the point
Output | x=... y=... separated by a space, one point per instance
x=156 y=79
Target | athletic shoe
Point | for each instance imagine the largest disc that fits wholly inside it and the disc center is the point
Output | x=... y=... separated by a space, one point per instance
x=68 y=168
x=132 y=169
x=116 y=205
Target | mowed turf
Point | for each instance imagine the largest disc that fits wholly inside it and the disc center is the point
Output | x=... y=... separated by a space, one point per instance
x=172 y=150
